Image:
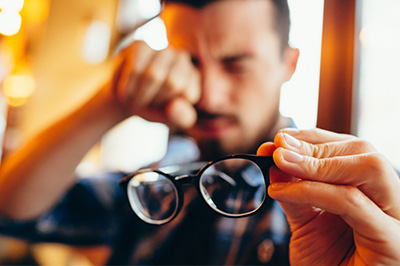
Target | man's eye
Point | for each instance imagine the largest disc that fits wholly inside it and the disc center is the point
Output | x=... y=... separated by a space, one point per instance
x=237 y=66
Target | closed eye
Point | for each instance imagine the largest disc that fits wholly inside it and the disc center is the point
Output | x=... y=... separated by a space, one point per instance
x=237 y=64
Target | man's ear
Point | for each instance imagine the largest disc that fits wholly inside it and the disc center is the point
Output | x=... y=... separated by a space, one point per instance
x=291 y=59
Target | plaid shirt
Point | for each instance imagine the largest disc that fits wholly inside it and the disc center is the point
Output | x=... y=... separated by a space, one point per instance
x=96 y=212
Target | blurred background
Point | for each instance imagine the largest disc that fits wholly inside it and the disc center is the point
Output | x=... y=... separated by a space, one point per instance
x=54 y=54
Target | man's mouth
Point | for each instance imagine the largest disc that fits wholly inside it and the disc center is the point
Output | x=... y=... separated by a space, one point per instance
x=214 y=125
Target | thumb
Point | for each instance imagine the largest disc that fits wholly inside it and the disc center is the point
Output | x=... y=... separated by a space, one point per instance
x=296 y=212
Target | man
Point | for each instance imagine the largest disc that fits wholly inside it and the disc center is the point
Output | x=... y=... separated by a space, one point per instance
x=218 y=83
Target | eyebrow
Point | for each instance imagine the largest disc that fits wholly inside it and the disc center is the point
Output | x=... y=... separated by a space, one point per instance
x=226 y=59
x=235 y=58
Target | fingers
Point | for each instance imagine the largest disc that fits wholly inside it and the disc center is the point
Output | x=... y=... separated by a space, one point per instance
x=181 y=113
x=316 y=135
x=266 y=149
x=339 y=170
x=351 y=204
x=152 y=78
x=341 y=145
x=320 y=174
x=155 y=84
x=180 y=81
x=136 y=58
x=346 y=162
x=276 y=175
x=369 y=171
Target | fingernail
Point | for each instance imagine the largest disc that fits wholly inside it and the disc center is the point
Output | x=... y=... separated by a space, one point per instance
x=291 y=130
x=291 y=156
x=291 y=140
x=278 y=186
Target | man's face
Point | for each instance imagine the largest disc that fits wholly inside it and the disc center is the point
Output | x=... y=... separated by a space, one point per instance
x=239 y=56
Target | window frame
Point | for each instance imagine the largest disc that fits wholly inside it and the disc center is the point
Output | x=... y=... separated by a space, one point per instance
x=339 y=69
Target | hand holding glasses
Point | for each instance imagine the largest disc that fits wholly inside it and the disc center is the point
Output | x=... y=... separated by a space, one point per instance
x=233 y=186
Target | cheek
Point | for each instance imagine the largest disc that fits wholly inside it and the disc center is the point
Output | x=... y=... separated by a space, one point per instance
x=257 y=93
x=255 y=96
x=251 y=107
x=256 y=104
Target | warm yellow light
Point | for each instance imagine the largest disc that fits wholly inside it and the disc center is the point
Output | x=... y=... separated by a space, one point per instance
x=18 y=88
x=10 y=22
x=11 y=5
x=96 y=42
x=35 y=11
x=10 y=19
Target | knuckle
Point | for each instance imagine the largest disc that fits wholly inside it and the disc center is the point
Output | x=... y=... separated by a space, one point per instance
x=326 y=169
x=137 y=49
x=175 y=81
x=152 y=75
x=346 y=147
x=306 y=186
x=167 y=53
x=350 y=137
x=320 y=150
x=316 y=166
x=183 y=55
x=185 y=85
x=173 y=84
x=139 y=46
x=135 y=67
x=323 y=150
x=375 y=162
x=354 y=197
x=363 y=145
x=322 y=168
x=184 y=63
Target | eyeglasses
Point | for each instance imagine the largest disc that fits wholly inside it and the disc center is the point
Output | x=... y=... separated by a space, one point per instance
x=233 y=186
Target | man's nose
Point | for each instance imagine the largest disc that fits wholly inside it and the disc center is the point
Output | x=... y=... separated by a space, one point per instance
x=214 y=91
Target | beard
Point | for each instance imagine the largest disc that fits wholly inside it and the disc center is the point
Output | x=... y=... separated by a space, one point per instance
x=211 y=149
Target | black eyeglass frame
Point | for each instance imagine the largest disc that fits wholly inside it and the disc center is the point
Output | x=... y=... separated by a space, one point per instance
x=263 y=162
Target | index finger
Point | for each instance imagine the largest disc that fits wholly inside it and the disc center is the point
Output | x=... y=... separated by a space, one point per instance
x=316 y=135
x=346 y=145
x=371 y=173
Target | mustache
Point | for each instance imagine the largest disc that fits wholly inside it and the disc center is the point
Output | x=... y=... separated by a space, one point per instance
x=204 y=115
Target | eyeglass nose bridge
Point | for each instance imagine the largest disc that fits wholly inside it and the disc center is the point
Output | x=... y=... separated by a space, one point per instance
x=185 y=179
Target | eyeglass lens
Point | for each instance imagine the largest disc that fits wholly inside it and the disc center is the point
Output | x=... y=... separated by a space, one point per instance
x=153 y=197
x=233 y=187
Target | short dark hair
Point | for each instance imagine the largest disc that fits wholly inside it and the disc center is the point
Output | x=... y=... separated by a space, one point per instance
x=282 y=17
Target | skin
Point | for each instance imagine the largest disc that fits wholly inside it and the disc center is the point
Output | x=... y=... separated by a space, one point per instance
x=340 y=196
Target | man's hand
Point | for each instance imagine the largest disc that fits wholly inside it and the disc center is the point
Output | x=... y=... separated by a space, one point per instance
x=160 y=86
x=341 y=198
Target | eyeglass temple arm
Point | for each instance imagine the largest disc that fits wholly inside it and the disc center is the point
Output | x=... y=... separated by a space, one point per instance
x=125 y=41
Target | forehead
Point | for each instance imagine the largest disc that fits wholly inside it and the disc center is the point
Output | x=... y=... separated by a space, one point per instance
x=231 y=24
